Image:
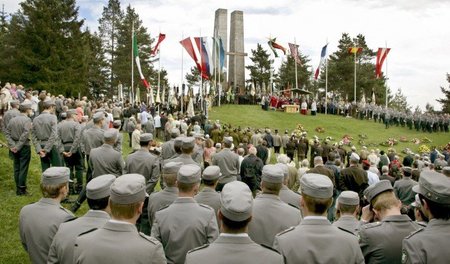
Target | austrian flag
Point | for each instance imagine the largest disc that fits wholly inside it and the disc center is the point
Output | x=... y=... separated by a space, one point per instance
x=381 y=56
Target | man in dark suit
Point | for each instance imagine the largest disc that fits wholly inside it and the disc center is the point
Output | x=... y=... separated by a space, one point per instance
x=354 y=178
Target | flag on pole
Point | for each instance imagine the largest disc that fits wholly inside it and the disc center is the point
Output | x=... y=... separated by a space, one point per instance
x=219 y=51
x=273 y=45
x=354 y=50
x=138 y=63
x=160 y=39
x=193 y=47
x=323 y=54
x=381 y=56
x=294 y=52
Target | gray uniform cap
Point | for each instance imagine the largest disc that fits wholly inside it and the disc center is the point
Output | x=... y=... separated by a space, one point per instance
x=72 y=112
x=146 y=137
x=228 y=140
x=316 y=185
x=272 y=173
x=48 y=102
x=128 y=189
x=100 y=187
x=446 y=171
x=236 y=201
x=189 y=173
x=348 y=198
x=284 y=168
x=175 y=132
x=373 y=190
x=188 y=142
x=24 y=106
x=14 y=102
x=172 y=167
x=211 y=173
x=434 y=186
x=55 y=176
x=354 y=157
x=98 y=116
x=110 y=134
x=117 y=122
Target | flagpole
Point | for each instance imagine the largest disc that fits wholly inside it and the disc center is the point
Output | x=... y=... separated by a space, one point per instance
x=220 y=73
x=201 y=70
x=386 y=92
x=159 y=69
x=326 y=82
x=132 y=64
x=182 y=77
x=354 y=91
x=295 y=62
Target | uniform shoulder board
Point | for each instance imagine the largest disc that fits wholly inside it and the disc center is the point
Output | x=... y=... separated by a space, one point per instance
x=66 y=210
x=415 y=232
x=87 y=232
x=206 y=206
x=149 y=238
x=164 y=207
x=287 y=230
x=198 y=248
x=71 y=219
x=345 y=230
x=296 y=207
x=271 y=248
x=371 y=225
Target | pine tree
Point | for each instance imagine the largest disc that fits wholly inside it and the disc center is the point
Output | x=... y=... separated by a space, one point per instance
x=286 y=74
x=47 y=47
x=97 y=73
x=445 y=102
x=260 y=70
x=399 y=102
x=108 y=28
x=3 y=21
x=193 y=77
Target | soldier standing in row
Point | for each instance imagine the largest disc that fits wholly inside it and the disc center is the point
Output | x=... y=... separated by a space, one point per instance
x=234 y=245
x=17 y=135
x=185 y=224
x=45 y=136
x=11 y=113
x=97 y=192
x=347 y=212
x=208 y=194
x=101 y=246
x=315 y=239
x=104 y=159
x=39 y=222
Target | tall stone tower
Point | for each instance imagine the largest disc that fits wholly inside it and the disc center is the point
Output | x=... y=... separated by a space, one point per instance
x=236 y=69
x=221 y=30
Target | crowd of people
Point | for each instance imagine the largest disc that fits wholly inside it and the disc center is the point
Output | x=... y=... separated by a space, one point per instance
x=425 y=122
x=227 y=194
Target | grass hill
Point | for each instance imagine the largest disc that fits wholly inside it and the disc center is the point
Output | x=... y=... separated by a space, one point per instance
x=236 y=115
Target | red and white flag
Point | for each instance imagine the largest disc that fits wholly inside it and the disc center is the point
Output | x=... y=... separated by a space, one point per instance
x=381 y=56
x=160 y=39
x=195 y=49
x=323 y=54
x=294 y=52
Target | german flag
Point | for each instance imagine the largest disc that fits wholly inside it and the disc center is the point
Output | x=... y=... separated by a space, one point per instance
x=354 y=50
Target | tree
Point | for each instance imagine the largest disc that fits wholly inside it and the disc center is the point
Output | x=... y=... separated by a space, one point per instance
x=46 y=48
x=3 y=22
x=399 y=102
x=286 y=73
x=260 y=70
x=429 y=108
x=109 y=33
x=193 y=77
x=97 y=73
x=341 y=71
x=445 y=102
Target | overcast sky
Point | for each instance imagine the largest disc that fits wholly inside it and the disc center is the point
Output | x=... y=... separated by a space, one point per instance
x=417 y=31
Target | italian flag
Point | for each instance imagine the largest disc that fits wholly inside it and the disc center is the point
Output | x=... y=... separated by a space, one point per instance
x=138 y=63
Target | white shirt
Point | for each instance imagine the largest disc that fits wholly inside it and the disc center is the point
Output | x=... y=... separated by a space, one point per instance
x=373 y=178
x=157 y=121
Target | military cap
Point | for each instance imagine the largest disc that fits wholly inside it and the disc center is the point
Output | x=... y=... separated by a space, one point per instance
x=100 y=187
x=348 y=198
x=175 y=132
x=14 y=102
x=98 y=116
x=366 y=163
x=110 y=134
x=72 y=112
x=55 y=176
x=434 y=186
x=117 y=123
x=316 y=185
x=128 y=189
x=63 y=115
x=48 y=102
x=272 y=173
x=284 y=168
x=228 y=140
x=373 y=190
x=407 y=171
x=446 y=171
x=211 y=173
x=25 y=106
x=146 y=137
x=189 y=173
x=100 y=110
x=354 y=157
x=172 y=167
x=236 y=201
x=188 y=142
x=416 y=203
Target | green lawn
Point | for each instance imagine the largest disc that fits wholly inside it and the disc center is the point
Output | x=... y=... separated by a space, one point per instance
x=11 y=250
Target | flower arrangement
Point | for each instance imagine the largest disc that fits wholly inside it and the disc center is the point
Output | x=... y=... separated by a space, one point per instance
x=423 y=149
x=320 y=130
x=415 y=141
x=403 y=139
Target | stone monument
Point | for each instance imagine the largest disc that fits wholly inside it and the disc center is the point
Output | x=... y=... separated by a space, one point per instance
x=236 y=69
